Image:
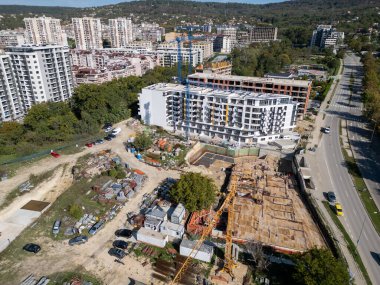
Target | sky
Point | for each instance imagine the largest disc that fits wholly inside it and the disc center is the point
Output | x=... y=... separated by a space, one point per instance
x=89 y=3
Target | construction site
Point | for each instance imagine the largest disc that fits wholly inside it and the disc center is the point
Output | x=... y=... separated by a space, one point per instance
x=267 y=207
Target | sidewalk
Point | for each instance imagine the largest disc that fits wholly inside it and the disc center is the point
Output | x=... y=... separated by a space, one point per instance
x=316 y=135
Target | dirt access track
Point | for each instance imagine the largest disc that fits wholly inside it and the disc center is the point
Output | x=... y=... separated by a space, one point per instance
x=57 y=256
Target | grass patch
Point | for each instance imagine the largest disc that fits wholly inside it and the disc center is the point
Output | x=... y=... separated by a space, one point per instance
x=35 y=180
x=62 y=277
x=350 y=245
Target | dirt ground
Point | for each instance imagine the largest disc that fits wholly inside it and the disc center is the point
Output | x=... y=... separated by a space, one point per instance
x=57 y=256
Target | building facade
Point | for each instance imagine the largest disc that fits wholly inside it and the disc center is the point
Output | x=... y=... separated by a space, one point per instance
x=205 y=46
x=219 y=67
x=222 y=44
x=88 y=33
x=169 y=56
x=43 y=73
x=10 y=101
x=299 y=90
x=238 y=116
x=262 y=34
x=230 y=32
x=121 y=32
x=11 y=38
x=326 y=36
x=44 y=31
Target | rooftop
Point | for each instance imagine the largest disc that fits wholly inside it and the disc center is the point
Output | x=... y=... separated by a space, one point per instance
x=301 y=83
x=167 y=87
x=191 y=244
x=151 y=233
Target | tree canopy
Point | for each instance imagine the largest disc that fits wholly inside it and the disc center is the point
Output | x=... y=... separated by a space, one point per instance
x=195 y=191
x=320 y=267
x=142 y=141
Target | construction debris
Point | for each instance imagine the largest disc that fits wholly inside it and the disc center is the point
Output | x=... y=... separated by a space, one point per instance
x=31 y=280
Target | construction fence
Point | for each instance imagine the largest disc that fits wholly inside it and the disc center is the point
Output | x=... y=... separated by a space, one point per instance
x=200 y=148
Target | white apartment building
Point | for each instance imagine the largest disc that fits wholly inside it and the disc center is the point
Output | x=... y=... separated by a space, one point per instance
x=169 y=56
x=11 y=38
x=206 y=46
x=230 y=32
x=43 y=73
x=237 y=116
x=88 y=33
x=222 y=44
x=44 y=31
x=140 y=45
x=10 y=101
x=121 y=32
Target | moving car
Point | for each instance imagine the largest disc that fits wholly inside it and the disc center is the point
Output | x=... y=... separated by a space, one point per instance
x=326 y=130
x=117 y=253
x=32 y=247
x=96 y=227
x=56 y=227
x=339 y=209
x=78 y=240
x=120 y=244
x=123 y=233
x=331 y=197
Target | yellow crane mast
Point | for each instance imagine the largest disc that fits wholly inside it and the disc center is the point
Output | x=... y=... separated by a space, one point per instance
x=229 y=263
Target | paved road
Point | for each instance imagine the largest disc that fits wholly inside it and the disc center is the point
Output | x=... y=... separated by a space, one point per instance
x=332 y=173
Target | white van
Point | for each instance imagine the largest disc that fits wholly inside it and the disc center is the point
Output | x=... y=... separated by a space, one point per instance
x=116 y=131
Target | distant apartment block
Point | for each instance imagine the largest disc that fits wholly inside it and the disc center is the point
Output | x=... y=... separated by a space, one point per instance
x=121 y=32
x=44 y=31
x=43 y=73
x=230 y=32
x=139 y=45
x=326 y=36
x=205 y=46
x=149 y=32
x=169 y=56
x=207 y=28
x=220 y=67
x=88 y=33
x=262 y=34
x=299 y=90
x=239 y=116
x=98 y=66
x=10 y=101
x=11 y=38
x=222 y=44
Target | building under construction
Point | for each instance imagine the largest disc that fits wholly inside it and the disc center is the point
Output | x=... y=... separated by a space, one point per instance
x=268 y=209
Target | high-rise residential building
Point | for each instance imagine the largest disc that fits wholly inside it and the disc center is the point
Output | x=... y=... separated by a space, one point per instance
x=10 y=101
x=230 y=32
x=149 y=32
x=299 y=90
x=88 y=33
x=325 y=36
x=44 y=31
x=121 y=32
x=43 y=73
x=240 y=116
x=11 y=38
x=222 y=44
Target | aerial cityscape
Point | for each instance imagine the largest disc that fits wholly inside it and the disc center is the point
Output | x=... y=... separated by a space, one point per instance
x=190 y=142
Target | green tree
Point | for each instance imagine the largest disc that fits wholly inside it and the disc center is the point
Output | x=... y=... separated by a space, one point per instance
x=76 y=211
x=195 y=191
x=320 y=267
x=142 y=141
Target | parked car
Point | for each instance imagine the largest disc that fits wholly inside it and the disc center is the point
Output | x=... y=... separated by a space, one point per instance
x=108 y=138
x=78 y=240
x=89 y=144
x=123 y=233
x=331 y=197
x=32 y=247
x=116 y=131
x=339 y=209
x=96 y=227
x=117 y=253
x=107 y=125
x=107 y=130
x=56 y=155
x=99 y=141
x=120 y=244
x=56 y=227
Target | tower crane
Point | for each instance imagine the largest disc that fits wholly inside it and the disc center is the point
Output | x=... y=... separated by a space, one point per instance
x=229 y=262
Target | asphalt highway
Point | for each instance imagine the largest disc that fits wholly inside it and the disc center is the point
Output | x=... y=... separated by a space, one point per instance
x=333 y=174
